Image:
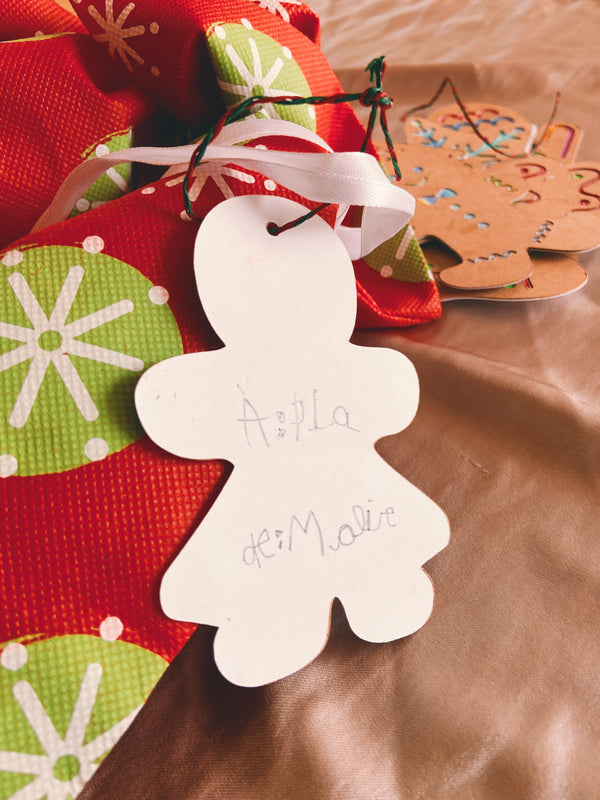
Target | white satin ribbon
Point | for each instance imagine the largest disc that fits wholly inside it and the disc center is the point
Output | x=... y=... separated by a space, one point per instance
x=347 y=179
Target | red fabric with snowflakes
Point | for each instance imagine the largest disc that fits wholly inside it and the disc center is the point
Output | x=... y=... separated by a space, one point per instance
x=163 y=45
x=149 y=29
x=59 y=97
x=92 y=542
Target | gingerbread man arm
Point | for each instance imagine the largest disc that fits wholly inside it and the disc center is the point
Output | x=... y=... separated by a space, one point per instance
x=180 y=406
x=394 y=397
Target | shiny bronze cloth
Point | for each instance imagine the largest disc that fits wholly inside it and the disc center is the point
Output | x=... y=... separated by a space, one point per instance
x=497 y=696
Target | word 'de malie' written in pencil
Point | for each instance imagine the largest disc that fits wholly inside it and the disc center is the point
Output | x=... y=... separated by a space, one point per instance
x=299 y=530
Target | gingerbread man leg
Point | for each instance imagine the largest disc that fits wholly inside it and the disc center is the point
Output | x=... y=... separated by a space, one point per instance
x=410 y=595
x=265 y=642
x=384 y=591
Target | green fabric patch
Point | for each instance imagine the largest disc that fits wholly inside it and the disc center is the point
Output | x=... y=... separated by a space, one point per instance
x=43 y=37
x=249 y=63
x=76 y=330
x=65 y=702
x=115 y=181
x=400 y=258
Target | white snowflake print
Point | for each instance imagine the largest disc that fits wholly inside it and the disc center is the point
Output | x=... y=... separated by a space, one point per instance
x=276 y=7
x=68 y=763
x=52 y=340
x=255 y=83
x=205 y=171
x=115 y=34
x=120 y=184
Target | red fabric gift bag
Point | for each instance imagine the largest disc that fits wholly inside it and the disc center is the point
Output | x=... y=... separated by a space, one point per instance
x=92 y=510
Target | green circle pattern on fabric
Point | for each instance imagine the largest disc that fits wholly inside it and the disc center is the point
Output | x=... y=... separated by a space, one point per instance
x=115 y=181
x=77 y=328
x=400 y=258
x=65 y=702
x=249 y=63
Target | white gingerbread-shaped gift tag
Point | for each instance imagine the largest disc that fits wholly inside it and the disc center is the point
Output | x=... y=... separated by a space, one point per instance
x=310 y=512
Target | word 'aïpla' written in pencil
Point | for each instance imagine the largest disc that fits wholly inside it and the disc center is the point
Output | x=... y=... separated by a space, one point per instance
x=300 y=417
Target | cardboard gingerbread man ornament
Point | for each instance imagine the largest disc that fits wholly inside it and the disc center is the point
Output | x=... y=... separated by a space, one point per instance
x=310 y=512
x=490 y=222
x=505 y=130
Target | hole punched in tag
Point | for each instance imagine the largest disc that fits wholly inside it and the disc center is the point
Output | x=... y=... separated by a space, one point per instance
x=274 y=229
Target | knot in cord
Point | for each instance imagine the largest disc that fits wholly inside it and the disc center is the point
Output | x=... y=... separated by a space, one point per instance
x=378 y=101
x=375 y=97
